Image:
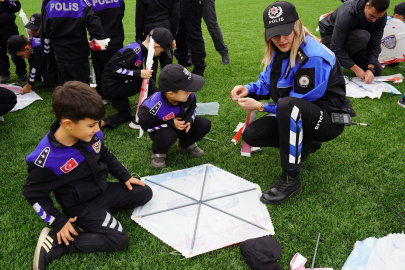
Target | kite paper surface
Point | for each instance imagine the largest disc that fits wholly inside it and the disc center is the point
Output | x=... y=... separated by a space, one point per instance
x=214 y=229
x=22 y=100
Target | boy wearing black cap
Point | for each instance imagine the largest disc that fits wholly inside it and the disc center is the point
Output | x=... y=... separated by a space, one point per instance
x=8 y=28
x=123 y=75
x=171 y=114
x=34 y=24
x=399 y=11
x=21 y=47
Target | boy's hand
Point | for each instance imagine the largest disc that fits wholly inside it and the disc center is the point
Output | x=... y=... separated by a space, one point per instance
x=188 y=126
x=179 y=123
x=146 y=74
x=239 y=90
x=134 y=181
x=65 y=232
x=26 y=89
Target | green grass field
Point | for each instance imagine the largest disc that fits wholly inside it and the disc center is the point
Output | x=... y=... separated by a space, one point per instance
x=353 y=187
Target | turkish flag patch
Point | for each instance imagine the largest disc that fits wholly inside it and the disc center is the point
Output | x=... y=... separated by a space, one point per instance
x=138 y=63
x=168 y=117
x=70 y=165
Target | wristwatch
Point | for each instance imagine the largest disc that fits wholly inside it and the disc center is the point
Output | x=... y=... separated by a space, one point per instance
x=261 y=109
x=371 y=69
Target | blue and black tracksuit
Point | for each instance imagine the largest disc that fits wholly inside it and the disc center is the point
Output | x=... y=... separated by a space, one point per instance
x=76 y=175
x=37 y=61
x=64 y=24
x=303 y=97
x=8 y=28
x=111 y=14
x=156 y=116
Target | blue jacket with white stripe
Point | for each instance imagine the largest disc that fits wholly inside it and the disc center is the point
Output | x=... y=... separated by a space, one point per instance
x=316 y=77
x=76 y=175
x=157 y=112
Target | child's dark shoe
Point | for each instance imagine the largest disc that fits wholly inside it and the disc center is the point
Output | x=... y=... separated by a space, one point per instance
x=158 y=161
x=44 y=251
x=192 y=149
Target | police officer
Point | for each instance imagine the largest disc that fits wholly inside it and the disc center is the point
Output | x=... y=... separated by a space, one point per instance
x=8 y=28
x=152 y=14
x=64 y=24
x=111 y=14
x=306 y=85
x=190 y=36
x=353 y=32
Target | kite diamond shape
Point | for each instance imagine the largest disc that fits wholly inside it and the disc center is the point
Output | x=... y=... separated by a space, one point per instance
x=200 y=209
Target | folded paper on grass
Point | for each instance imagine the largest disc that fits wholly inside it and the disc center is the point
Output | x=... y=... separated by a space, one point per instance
x=200 y=209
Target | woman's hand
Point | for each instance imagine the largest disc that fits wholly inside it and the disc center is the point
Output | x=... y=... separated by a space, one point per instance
x=249 y=104
x=239 y=90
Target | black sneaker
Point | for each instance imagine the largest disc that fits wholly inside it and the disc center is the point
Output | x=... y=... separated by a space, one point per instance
x=158 y=161
x=288 y=185
x=401 y=102
x=225 y=59
x=134 y=124
x=22 y=78
x=5 y=79
x=44 y=84
x=198 y=71
x=44 y=251
x=310 y=149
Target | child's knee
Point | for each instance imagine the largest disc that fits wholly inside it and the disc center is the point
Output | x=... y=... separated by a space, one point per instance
x=119 y=241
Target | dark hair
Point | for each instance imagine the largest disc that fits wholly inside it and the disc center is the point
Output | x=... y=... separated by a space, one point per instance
x=29 y=42
x=77 y=101
x=379 y=5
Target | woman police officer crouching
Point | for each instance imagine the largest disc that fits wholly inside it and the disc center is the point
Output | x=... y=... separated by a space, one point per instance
x=306 y=83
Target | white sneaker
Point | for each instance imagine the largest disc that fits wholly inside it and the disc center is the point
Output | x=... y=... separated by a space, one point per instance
x=134 y=124
x=1 y=118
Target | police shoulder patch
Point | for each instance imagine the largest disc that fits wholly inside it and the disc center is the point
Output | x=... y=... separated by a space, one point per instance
x=156 y=108
x=96 y=146
x=304 y=80
x=41 y=159
x=137 y=50
x=87 y=3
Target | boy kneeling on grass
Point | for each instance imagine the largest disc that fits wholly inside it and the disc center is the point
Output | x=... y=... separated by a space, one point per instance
x=171 y=114
x=72 y=162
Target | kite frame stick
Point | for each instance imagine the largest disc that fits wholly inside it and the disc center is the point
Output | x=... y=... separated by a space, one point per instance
x=199 y=208
x=171 y=189
x=162 y=211
x=251 y=223
x=194 y=203
x=316 y=248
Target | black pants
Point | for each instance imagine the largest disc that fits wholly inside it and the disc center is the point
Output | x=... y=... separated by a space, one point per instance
x=103 y=232
x=52 y=68
x=356 y=48
x=210 y=19
x=164 y=138
x=99 y=60
x=297 y=124
x=118 y=96
x=74 y=72
x=7 y=100
x=6 y=31
x=190 y=35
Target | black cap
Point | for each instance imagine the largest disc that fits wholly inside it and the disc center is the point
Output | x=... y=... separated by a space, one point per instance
x=164 y=38
x=400 y=9
x=175 y=77
x=262 y=253
x=15 y=43
x=35 y=22
x=279 y=19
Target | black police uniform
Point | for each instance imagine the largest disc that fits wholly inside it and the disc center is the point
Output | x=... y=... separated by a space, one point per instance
x=111 y=14
x=121 y=79
x=354 y=40
x=156 y=116
x=189 y=35
x=37 y=61
x=64 y=24
x=151 y=14
x=77 y=177
x=7 y=100
x=8 y=28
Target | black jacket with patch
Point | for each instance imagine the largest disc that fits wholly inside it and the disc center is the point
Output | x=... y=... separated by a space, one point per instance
x=75 y=174
x=8 y=9
x=348 y=16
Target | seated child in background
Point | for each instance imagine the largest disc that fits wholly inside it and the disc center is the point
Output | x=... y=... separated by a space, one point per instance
x=124 y=73
x=171 y=114
x=7 y=101
x=72 y=162
x=20 y=46
x=34 y=24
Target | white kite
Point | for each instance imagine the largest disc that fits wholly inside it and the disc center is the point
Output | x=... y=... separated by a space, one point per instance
x=200 y=209
x=393 y=42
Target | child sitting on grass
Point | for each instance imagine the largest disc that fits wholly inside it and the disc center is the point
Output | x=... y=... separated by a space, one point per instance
x=171 y=114
x=72 y=162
